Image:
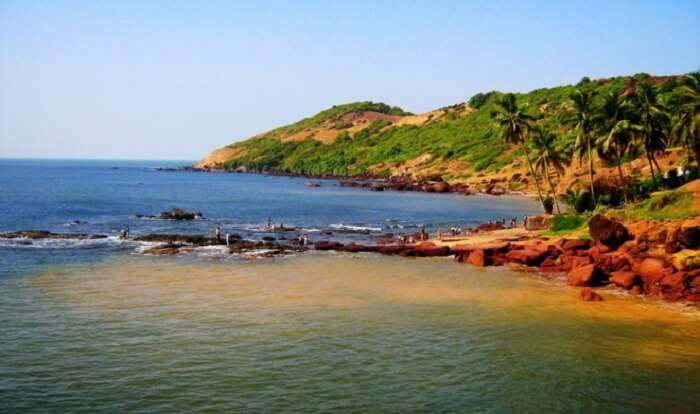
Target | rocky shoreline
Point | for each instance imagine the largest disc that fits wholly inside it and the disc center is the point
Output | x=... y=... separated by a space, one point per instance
x=653 y=258
x=435 y=184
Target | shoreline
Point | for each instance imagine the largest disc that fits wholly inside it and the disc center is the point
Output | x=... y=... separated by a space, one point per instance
x=654 y=259
x=373 y=182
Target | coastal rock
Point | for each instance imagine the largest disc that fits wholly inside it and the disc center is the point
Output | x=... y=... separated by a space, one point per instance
x=588 y=295
x=689 y=236
x=607 y=231
x=652 y=270
x=575 y=244
x=179 y=214
x=624 y=279
x=43 y=234
x=528 y=257
x=441 y=187
x=587 y=275
x=327 y=245
x=477 y=258
x=686 y=259
x=356 y=248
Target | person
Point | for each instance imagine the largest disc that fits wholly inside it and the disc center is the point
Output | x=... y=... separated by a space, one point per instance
x=305 y=240
x=126 y=232
x=525 y=220
x=438 y=233
x=122 y=234
x=217 y=233
x=227 y=239
x=269 y=223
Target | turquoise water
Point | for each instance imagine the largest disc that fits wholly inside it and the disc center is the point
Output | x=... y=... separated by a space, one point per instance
x=101 y=328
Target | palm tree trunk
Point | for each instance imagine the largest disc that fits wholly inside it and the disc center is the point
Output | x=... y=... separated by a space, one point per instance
x=651 y=167
x=551 y=187
x=622 y=178
x=534 y=176
x=590 y=169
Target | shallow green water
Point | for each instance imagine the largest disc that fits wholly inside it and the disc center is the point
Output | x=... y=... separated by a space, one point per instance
x=327 y=332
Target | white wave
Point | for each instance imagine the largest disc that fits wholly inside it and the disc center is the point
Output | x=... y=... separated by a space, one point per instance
x=348 y=227
x=49 y=243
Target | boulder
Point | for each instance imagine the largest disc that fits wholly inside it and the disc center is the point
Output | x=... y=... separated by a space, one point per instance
x=686 y=259
x=674 y=282
x=607 y=231
x=652 y=270
x=624 y=279
x=477 y=258
x=179 y=214
x=441 y=187
x=357 y=248
x=529 y=257
x=575 y=244
x=689 y=236
x=588 y=295
x=587 y=275
x=390 y=249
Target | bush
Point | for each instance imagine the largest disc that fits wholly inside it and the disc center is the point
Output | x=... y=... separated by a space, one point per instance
x=567 y=222
x=548 y=204
x=580 y=200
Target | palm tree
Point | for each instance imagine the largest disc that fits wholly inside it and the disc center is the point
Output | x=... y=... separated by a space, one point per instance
x=687 y=127
x=515 y=125
x=549 y=155
x=617 y=133
x=583 y=104
x=652 y=122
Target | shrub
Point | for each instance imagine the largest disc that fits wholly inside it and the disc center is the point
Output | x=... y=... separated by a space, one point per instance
x=567 y=222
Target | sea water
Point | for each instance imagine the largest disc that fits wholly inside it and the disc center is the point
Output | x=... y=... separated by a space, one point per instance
x=95 y=326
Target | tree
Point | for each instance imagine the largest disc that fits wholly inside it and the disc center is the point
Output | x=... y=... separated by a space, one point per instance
x=584 y=139
x=549 y=155
x=515 y=125
x=687 y=127
x=617 y=133
x=652 y=120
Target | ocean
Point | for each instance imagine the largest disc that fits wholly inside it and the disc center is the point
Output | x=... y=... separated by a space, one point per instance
x=97 y=326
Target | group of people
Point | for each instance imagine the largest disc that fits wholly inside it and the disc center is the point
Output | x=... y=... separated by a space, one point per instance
x=217 y=235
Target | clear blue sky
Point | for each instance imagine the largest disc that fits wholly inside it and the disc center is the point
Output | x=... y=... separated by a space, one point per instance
x=175 y=79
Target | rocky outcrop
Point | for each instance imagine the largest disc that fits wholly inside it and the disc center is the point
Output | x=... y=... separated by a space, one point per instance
x=589 y=295
x=607 y=231
x=179 y=214
x=42 y=234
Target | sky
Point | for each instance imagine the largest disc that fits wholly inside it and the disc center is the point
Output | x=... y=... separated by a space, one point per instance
x=175 y=79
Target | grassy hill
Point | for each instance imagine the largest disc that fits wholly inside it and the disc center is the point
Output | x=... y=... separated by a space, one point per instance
x=461 y=142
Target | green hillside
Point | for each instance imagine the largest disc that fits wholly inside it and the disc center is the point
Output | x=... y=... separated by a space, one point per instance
x=465 y=133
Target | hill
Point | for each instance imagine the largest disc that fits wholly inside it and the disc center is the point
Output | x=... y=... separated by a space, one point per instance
x=459 y=143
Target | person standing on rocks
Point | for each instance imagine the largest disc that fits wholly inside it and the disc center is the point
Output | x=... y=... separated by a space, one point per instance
x=217 y=233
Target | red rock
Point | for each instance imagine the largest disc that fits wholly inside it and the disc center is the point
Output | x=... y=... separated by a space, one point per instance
x=527 y=257
x=624 y=279
x=636 y=290
x=356 y=248
x=327 y=245
x=425 y=251
x=390 y=249
x=652 y=270
x=587 y=275
x=675 y=281
x=441 y=187
x=498 y=259
x=607 y=231
x=603 y=248
x=570 y=262
x=695 y=283
x=693 y=298
x=477 y=258
x=690 y=237
x=588 y=295
x=575 y=244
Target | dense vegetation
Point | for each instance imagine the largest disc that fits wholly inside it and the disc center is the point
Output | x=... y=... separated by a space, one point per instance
x=614 y=119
